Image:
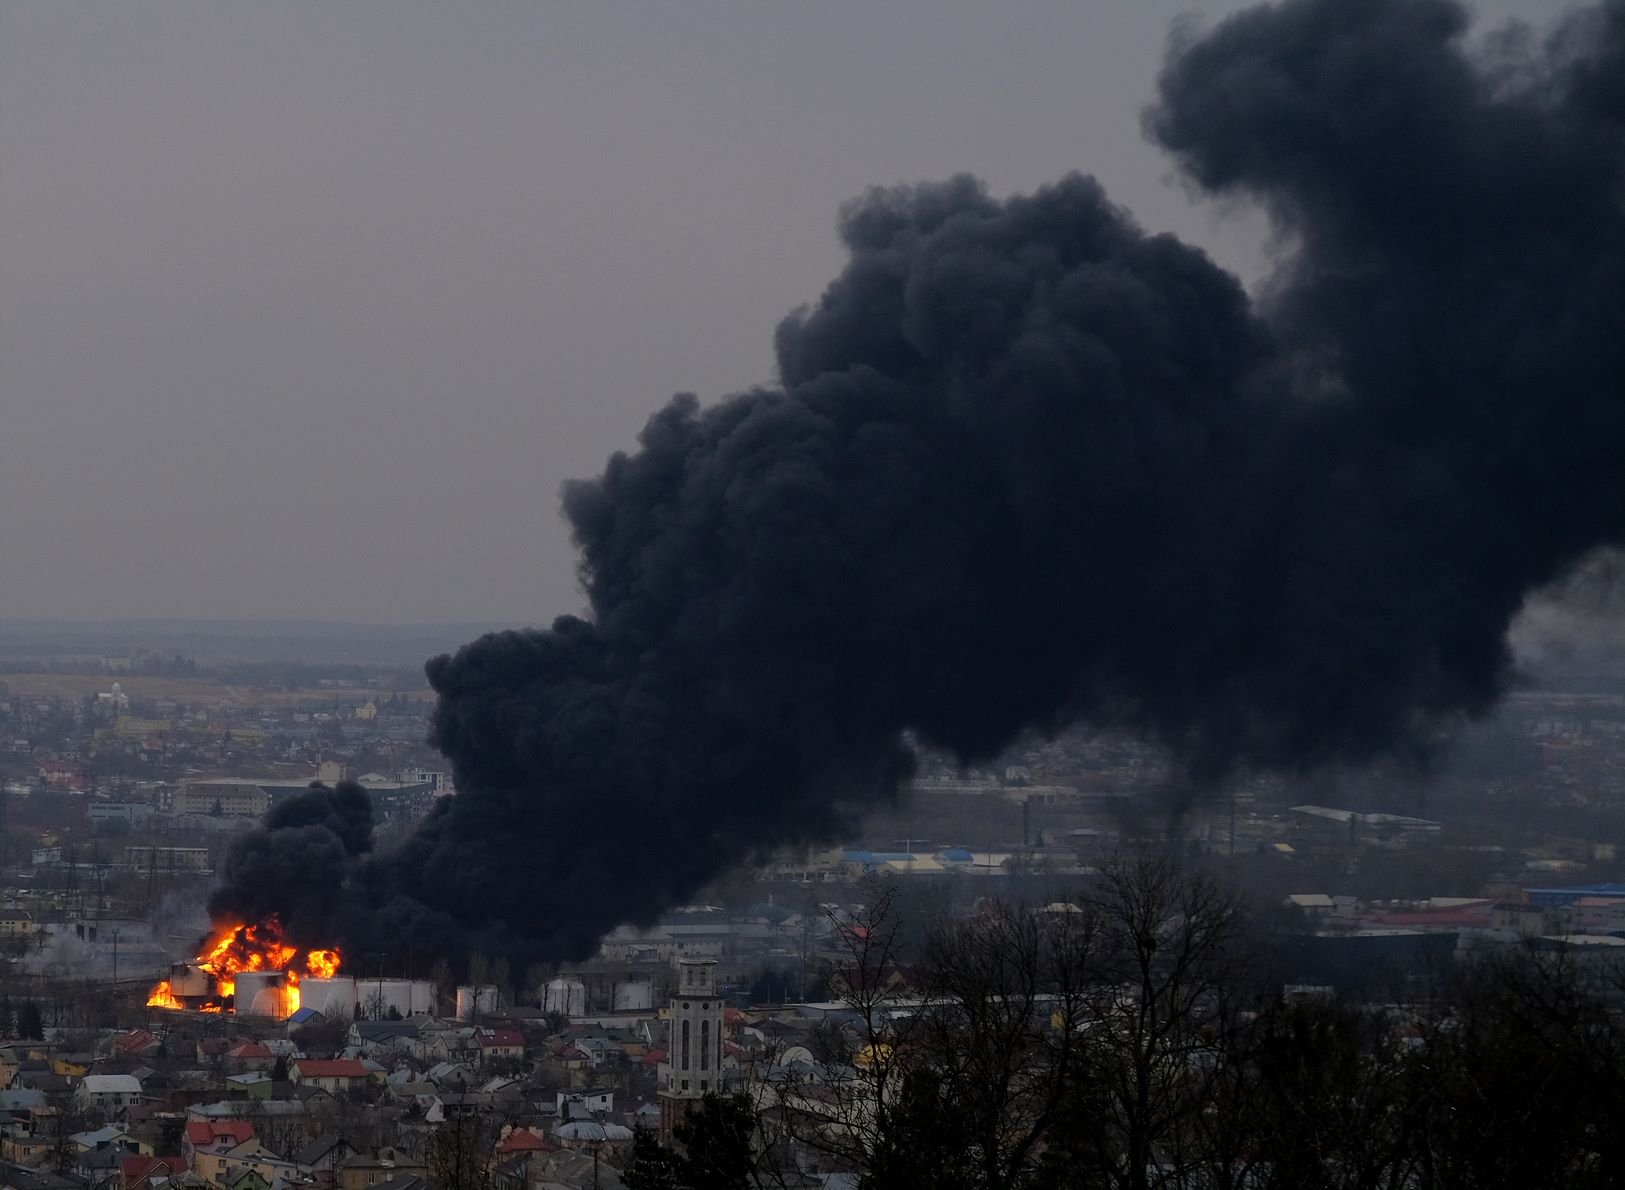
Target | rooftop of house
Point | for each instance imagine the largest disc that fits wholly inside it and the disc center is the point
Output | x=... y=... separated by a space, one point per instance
x=111 y=1084
x=209 y=1132
x=522 y=1140
x=321 y=1149
x=134 y=1168
x=330 y=1068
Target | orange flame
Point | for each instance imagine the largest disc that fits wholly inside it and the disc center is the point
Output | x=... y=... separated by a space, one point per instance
x=231 y=950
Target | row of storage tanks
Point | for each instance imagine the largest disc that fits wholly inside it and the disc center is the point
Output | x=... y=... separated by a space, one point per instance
x=413 y=997
x=569 y=996
x=265 y=993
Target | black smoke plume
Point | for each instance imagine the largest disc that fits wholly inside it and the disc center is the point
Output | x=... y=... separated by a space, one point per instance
x=1028 y=465
x=288 y=866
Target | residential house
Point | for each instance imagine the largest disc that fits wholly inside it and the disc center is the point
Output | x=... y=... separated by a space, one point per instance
x=320 y=1160
x=572 y=1170
x=72 y=1065
x=244 y=1177
x=108 y=1092
x=592 y=1103
x=249 y=1055
x=17 y=1178
x=145 y=1173
x=54 y=1085
x=99 y=1166
x=267 y=1168
x=449 y=1043
x=313 y=1098
x=453 y=1105
x=517 y=1142
x=380 y=1167
x=384 y=1039
x=409 y=1090
x=206 y=1140
x=25 y=1148
x=592 y=1135
x=211 y=1050
x=137 y=1043
x=499 y=1043
x=22 y=1099
x=511 y=1172
x=112 y=1134
x=305 y=1017
x=255 y=1084
x=332 y=1075
x=449 y=1076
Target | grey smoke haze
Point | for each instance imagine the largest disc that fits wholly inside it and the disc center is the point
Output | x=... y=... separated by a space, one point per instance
x=294 y=290
x=290 y=291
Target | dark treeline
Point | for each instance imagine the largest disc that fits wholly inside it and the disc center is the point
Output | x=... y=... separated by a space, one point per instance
x=1140 y=1039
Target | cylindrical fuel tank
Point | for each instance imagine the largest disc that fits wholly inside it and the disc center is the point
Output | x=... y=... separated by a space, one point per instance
x=334 y=998
x=476 y=1001
x=187 y=980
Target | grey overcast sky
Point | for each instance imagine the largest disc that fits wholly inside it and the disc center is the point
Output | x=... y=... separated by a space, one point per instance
x=308 y=308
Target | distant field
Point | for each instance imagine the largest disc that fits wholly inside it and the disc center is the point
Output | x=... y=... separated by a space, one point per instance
x=215 y=642
x=204 y=691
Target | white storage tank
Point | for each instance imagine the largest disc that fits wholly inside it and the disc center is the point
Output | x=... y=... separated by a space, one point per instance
x=568 y=996
x=260 y=993
x=272 y=1002
x=187 y=980
x=423 y=998
x=634 y=995
x=379 y=996
x=476 y=1001
x=334 y=998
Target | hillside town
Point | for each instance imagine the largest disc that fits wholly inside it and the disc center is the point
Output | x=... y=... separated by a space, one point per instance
x=122 y=796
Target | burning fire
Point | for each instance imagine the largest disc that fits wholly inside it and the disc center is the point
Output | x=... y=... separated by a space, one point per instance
x=162 y=997
x=233 y=950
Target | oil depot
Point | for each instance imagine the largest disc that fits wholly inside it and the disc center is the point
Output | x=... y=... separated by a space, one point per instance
x=274 y=994
x=279 y=994
x=252 y=970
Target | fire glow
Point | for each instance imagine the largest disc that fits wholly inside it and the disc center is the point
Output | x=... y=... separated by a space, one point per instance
x=234 y=950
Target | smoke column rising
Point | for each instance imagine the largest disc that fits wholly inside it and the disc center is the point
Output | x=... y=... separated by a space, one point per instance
x=1028 y=465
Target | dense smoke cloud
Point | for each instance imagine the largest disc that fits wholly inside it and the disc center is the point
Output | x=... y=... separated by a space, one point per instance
x=290 y=866
x=1029 y=465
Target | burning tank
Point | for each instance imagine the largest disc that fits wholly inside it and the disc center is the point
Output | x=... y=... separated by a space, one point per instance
x=250 y=968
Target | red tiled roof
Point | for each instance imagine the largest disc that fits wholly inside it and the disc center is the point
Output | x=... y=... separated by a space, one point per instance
x=654 y=1057
x=250 y=1049
x=135 y=1171
x=135 y=1040
x=521 y=1140
x=494 y=1038
x=205 y=1132
x=336 y=1068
